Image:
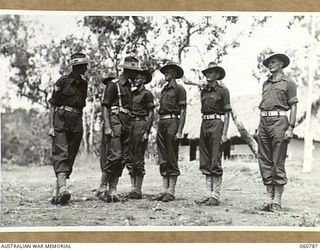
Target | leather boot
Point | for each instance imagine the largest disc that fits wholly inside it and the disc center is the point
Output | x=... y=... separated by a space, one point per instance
x=165 y=186
x=55 y=198
x=113 y=189
x=136 y=193
x=103 y=185
x=215 y=194
x=139 y=182
x=169 y=196
x=278 y=191
x=64 y=196
x=267 y=206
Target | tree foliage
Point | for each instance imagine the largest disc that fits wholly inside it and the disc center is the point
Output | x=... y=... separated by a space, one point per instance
x=106 y=40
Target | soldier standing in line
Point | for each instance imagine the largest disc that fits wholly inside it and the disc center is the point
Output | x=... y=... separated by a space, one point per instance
x=104 y=148
x=279 y=95
x=67 y=101
x=142 y=119
x=172 y=114
x=116 y=111
x=215 y=108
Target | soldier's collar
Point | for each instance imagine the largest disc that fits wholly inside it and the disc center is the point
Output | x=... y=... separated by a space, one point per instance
x=123 y=81
x=282 y=77
x=74 y=76
x=209 y=88
x=140 y=89
x=171 y=84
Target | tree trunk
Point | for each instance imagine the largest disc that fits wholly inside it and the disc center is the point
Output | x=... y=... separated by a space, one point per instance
x=249 y=139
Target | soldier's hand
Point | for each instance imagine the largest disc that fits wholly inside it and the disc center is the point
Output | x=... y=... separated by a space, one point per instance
x=51 y=132
x=108 y=132
x=288 y=134
x=145 y=136
x=179 y=135
x=224 y=139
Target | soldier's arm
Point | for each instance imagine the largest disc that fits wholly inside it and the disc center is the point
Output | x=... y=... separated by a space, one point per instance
x=150 y=119
x=182 y=102
x=227 y=108
x=55 y=101
x=292 y=101
x=108 y=97
x=292 y=117
x=51 y=117
x=182 y=121
x=150 y=107
x=226 y=123
x=106 y=121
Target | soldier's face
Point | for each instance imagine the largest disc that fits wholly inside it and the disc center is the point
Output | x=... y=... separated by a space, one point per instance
x=169 y=74
x=139 y=80
x=275 y=65
x=212 y=75
x=129 y=73
x=81 y=69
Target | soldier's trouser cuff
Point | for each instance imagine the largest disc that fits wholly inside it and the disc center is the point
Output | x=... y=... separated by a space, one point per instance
x=217 y=172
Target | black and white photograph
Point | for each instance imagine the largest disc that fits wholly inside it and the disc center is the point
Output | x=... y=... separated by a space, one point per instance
x=160 y=120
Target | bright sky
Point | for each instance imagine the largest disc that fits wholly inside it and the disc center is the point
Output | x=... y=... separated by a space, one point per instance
x=239 y=63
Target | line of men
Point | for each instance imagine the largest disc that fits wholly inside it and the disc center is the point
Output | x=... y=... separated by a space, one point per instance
x=128 y=114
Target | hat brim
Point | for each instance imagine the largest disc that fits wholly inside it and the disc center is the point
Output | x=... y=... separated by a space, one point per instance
x=221 y=71
x=79 y=63
x=129 y=67
x=178 y=69
x=282 y=57
x=147 y=74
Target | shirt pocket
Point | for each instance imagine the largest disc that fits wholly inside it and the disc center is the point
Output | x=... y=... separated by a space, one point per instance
x=126 y=97
x=211 y=100
x=281 y=93
x=69 y=91
x=170 y=100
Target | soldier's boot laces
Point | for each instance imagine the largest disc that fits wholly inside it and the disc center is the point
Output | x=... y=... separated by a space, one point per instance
x=278 y=191
x=267 y=206
x=169 y=196
x=64 y=195
x=55 y=198
x=133 y=192
x=165 y=186
x=137 y=194
x=215 y=195
x=114 y=197
x=102 y=190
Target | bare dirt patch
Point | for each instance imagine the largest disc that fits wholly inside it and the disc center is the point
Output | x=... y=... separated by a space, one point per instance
x=26 y=191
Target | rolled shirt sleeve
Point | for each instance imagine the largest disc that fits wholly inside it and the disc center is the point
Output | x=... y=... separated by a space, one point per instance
x=56 y=96
x=226 y=100
x=182 y=96
x=292 y=93
x=109 y=95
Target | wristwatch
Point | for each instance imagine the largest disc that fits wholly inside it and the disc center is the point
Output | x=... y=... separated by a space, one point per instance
x=291 y=125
